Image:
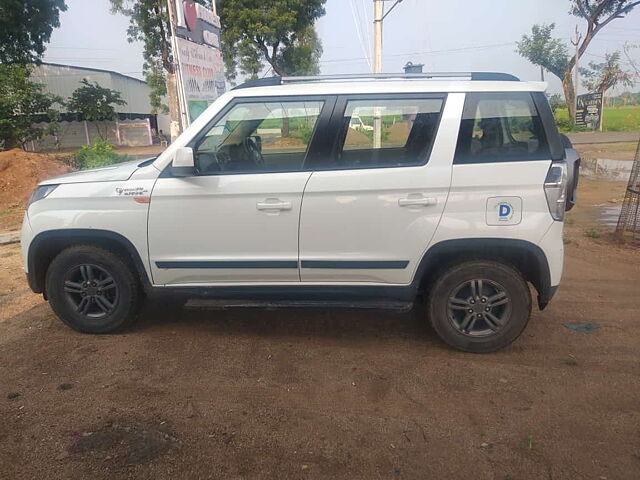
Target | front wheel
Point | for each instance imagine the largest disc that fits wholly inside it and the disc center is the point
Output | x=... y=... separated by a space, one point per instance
x=92 y=290
x=479 y=306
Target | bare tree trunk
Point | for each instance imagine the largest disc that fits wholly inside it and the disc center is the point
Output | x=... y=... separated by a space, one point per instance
x=569 y=94
x=174 y=106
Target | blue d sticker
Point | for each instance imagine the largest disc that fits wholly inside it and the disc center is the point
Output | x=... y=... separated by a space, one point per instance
x=505 y=210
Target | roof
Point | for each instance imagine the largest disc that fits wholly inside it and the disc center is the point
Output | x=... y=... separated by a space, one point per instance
x=90 y=69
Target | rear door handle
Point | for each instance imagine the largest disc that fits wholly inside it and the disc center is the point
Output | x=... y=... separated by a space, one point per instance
x=417 y=200
x=274 y=204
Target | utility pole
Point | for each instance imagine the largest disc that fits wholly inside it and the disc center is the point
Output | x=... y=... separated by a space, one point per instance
x=378 y=18
x=377 y=67
x=377 y=35
x=576 y=81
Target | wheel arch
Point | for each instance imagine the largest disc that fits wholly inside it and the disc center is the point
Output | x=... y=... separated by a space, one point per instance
x=47 y=245
x=527 y=257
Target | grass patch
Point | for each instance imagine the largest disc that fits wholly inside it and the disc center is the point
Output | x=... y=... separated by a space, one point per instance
x=593 y=233
x=528 y=443
x=615 y=119
x=7 y=254
x=99 y=154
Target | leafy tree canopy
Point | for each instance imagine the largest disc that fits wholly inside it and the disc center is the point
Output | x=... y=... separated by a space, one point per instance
x=540 y=48
x=149 y=24
x=22 y=102
x=95 y=103
x=25 y=28
x=278 y=32
x=600 y=77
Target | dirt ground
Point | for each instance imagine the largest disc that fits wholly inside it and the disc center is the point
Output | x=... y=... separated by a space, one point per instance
x=20 y=172
x=298 y=394
x=614 y=151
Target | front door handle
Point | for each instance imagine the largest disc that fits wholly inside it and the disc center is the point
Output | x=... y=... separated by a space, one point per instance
x=274 y=204
x=417 y=200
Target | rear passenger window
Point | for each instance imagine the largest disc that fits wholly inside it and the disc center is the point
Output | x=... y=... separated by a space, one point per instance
x=500 y=127
x=387 y=133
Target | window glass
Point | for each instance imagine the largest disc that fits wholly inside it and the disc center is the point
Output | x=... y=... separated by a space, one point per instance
x=500 y=127
x=387 y=133
x=258 y=137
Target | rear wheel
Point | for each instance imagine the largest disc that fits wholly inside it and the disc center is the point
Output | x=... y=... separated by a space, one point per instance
x=92 y=290
x=479 y=306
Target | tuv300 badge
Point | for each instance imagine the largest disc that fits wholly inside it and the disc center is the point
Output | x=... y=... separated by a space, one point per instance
x=504 y=211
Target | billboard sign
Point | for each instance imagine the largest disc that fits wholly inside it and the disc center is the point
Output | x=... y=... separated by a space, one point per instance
x=589 y=110
x=202 y=74
x=197 y=23
x=199 y=55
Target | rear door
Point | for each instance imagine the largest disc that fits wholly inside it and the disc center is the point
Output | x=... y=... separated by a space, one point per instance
x=373 y=204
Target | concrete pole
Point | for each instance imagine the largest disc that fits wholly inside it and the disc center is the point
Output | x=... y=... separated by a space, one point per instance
x=377 y=67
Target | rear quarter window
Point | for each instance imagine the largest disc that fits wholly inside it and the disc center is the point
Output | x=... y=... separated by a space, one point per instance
x=500 y=127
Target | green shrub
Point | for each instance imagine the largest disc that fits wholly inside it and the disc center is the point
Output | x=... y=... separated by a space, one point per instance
x=100 y=154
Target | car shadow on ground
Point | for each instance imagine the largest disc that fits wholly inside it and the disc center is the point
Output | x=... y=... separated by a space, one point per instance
x=336 y=323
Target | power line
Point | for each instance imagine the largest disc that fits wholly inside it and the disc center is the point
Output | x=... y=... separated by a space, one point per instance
x=358 y=32
x=430 y=52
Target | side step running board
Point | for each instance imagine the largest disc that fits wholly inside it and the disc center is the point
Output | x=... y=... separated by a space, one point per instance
x=222 y=304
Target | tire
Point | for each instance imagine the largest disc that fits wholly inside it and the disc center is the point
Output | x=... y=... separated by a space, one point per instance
x=479 y=306
x=92 y=290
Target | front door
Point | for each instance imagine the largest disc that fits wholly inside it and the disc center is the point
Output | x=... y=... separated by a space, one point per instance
x=237 y=219
x=370 y=211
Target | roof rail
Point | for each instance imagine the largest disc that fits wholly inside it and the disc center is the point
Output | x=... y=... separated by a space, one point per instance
x=477 y=76
x=473 y=76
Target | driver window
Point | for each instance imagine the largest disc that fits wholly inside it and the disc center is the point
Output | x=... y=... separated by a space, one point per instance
x=258 y=137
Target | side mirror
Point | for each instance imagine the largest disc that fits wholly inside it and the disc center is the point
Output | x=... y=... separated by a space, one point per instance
x=183 y=164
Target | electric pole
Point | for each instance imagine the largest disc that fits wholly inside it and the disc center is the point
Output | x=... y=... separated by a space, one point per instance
x=377 y=35
x=576 y=81
x=378 y=18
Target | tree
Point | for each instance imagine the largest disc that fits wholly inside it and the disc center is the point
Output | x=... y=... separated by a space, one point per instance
x=302 y=57
x=22 y=104
x=95 y=104
x=600 y=77
x=279 y=32
x=25 y=26
x=541 y=49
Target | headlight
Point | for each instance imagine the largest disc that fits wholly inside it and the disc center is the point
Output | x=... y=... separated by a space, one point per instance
x=41 y=192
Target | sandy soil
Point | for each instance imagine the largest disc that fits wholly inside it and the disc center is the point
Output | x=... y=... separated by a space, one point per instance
x=20 y=172
x=296 y=394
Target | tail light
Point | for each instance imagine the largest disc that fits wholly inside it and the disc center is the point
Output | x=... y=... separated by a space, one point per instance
x=555 y=188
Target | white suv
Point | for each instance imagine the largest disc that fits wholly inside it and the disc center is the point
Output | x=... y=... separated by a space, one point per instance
x=274 y=196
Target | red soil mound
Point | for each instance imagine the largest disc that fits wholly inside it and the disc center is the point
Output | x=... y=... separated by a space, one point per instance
x=21 y=171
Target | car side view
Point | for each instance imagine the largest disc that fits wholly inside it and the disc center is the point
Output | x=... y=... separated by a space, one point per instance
x=330 y=192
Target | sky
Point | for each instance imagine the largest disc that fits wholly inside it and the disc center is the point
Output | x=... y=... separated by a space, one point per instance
x=456 y=35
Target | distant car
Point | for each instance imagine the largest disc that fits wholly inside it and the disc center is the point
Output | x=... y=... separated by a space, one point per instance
x=460 y=201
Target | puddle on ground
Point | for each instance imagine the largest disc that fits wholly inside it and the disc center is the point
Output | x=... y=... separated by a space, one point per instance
x=609 y=215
